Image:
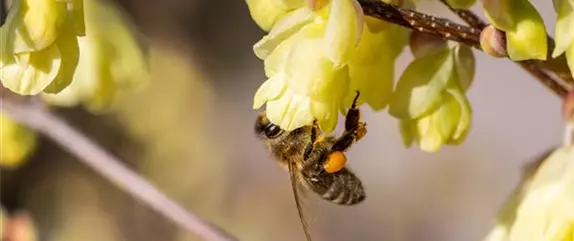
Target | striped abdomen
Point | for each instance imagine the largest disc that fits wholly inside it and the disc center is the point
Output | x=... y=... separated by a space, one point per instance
x=341 y=187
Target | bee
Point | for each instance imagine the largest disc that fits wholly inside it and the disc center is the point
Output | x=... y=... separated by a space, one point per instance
x=317 y=162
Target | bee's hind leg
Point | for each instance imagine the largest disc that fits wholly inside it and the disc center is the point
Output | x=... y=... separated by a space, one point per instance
x=354 y=128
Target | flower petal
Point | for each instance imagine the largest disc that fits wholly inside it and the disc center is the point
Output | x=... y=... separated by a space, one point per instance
x=419 y=89
x=290 y=111
x=36 y=24
x=310 y=74
x=465 y=64
x=564 y=30
x=374 y=81
x=285 y=27
x=326 y=114
x=407 y=132
x=67 y=44
x=465 y=121
x=344 y=29
x=266 y=12
x=33 y=75
x=269 y=90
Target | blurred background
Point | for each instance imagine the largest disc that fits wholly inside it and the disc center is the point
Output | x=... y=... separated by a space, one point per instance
x=190 y=132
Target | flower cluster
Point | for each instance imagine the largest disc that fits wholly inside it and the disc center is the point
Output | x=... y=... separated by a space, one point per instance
x=317 y=54
x=69 y=51
x=39 y=45
x=111 y=59
x=429 y=99
x=542 y=208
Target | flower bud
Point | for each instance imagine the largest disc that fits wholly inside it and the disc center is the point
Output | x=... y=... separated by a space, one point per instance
x=493 y=42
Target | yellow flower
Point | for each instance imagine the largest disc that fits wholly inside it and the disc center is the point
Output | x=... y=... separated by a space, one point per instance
x=16 y=142
x=429 y=99
x=303 y=84
x=371 y=67
x=110 y=60
x=306 y=55
x=318 y=55
x=38 y=47
x=543 y=208
x=266 y=12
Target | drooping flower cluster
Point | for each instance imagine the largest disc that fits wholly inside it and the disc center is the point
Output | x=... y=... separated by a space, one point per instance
x=70 y=52
x=110 y=60
x=542 y=208
x=47 y=46
x=430 y=98
x=317 y=54
x=39 y=46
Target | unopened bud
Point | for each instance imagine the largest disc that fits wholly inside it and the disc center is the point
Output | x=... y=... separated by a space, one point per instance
x=422 y=44
x=493 y=42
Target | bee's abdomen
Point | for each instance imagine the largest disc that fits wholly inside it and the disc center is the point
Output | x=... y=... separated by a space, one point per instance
x=342 y=187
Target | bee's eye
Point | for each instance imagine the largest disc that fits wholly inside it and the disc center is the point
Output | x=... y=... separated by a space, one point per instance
x=272 y=131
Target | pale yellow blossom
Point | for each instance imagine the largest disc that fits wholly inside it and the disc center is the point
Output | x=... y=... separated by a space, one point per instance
x=16 y=142
x=110 y=60
x=38 y=47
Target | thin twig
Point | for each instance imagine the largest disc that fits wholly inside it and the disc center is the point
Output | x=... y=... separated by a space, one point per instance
x=42 y=120
x=456 y=32
x=533 y=67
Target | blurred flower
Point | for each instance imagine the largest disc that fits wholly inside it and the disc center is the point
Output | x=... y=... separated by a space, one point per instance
x=429 y=99
x=16 y=142
x=542 y=208
x=3 y=220
x=110 y=59
x=523 y=25
x=38 y=47
x=317 y=55
x=564 y=31
x=18 y=227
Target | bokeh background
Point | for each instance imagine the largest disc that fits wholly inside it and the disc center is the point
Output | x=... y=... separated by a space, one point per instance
x=190 y=132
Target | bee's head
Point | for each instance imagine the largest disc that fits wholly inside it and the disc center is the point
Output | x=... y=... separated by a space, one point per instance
x=265 y=129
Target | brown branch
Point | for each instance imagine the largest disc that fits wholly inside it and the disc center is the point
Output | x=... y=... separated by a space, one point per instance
x=533 y=67
x=558 y=65
x=464 y=34
x=38 y=118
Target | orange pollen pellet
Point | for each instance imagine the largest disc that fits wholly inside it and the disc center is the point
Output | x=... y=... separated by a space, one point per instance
x=335 y=162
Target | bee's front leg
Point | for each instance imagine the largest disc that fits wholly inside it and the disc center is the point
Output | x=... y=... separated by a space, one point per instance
x=314 y=140
x=354 y=128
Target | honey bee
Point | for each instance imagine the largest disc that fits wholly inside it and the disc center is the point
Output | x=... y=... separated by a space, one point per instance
x=317 y=162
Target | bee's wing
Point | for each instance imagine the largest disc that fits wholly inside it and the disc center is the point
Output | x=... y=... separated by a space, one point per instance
x=296 y=186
